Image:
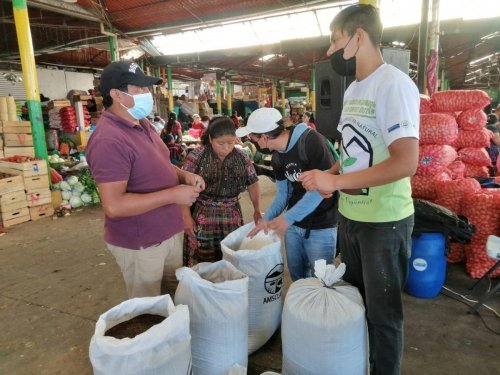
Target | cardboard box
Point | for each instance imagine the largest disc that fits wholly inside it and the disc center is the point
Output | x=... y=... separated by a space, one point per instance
x=39 y=197
x=11 y=218
x=18 y=139
x=29 y=168
x=33 y=184
x=22 y=151
x=40 y=212
x=9 y=184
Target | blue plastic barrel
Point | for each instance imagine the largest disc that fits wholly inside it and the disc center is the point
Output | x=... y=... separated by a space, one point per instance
x=427 y=268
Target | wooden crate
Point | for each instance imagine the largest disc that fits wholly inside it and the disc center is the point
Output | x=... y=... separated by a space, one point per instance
x=22 y=151
x=39 y=197
x=15 y=127
x=18 y=139
x=36 y=183
x=10 y=183
x=29 y=168
x=13 y=201
x=40 y=212
x=15 y=217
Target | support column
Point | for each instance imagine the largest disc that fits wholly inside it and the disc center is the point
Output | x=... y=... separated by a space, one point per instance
x=274 y=95
x=313 y=89
x=170 y=89
x=283 y=107
x=218 y=95
x=113 y=48
x=229 y=98
x=30 y=76
x=422 y=46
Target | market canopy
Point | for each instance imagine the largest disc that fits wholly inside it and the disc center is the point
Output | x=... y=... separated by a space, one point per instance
x=75 y=34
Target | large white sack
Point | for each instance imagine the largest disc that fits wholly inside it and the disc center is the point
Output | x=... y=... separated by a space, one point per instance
x=261 y=260
x=323 y=330
x=163 y=349
x=217 y=297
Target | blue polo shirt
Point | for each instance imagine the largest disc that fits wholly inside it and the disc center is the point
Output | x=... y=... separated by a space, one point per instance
x=120 y=150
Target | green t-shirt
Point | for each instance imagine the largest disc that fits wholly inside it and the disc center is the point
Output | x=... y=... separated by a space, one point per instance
x=377 y=111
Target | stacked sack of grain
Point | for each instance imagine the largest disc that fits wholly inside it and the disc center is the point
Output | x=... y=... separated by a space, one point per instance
x=438 y=131
x=483 y=210
x=450 y=121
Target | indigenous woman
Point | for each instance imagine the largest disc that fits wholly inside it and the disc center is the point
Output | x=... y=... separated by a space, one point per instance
x=227 y=172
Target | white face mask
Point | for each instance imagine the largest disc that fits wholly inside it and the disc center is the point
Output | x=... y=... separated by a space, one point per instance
x=143 y=105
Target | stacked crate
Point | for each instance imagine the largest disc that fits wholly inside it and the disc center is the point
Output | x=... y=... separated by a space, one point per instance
x=36 y=185
x=13 y=204
x=17 y=138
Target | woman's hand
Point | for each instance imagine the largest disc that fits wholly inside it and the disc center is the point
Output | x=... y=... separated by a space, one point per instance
x=189 y=225
x=261 y=225
x=257 y=216
x=194 y=180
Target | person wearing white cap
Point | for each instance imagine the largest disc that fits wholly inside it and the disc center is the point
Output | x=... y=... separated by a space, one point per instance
x=307 y=220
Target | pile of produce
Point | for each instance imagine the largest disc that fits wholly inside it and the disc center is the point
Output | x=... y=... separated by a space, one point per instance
x=78 y=191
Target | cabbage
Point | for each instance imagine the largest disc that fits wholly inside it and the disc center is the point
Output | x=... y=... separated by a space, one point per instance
x=86 y=198
x=75 y=202
x=56 y=186
x=64 y=186
x=72 y=180
x=75 y=193
x=78 y=187
x=66 y=195
x=64 y=202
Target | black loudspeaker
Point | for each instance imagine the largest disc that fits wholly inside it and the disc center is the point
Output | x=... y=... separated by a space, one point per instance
x=330 y=89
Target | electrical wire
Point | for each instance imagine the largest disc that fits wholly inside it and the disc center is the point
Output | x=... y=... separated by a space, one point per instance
x=471 y=300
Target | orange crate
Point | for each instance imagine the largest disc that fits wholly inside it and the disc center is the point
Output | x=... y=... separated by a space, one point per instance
x=10 y=183
x=39 y=197
x=29 y=168
x=15 y=217
x=40 y=212
x=19 y=139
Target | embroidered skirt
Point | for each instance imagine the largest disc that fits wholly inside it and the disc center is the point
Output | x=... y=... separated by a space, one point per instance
x=214 y=219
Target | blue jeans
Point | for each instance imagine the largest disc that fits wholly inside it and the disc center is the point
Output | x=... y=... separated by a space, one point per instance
x=302 y=252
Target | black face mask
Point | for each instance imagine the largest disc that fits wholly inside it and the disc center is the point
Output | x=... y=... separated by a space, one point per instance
x=342 y=66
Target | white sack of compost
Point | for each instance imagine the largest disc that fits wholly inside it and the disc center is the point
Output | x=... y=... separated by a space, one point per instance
x=165 y=348
x=261 y=260
x=217 y=297
x=323 y=329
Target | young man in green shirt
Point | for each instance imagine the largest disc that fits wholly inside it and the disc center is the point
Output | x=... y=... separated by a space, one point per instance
x=379 y=153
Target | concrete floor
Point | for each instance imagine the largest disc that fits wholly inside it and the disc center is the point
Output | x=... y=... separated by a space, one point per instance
x=56 y=279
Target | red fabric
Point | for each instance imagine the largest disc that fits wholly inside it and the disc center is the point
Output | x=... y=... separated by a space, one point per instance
x=432 y=71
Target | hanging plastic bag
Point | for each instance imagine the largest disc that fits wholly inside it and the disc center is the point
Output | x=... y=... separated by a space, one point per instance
x=261 y=260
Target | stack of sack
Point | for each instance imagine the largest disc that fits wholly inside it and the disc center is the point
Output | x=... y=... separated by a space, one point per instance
x=451 y=154
x=68 y=119
x=55 y=119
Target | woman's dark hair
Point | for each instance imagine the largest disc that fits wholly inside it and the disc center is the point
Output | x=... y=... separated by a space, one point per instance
x=172 y=117
x=218 y=127
x=362 y=16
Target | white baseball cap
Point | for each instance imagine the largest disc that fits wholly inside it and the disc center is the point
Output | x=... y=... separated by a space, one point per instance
x=262 y=120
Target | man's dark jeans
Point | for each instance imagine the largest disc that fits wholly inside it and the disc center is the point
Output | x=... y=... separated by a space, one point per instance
x=376 y=257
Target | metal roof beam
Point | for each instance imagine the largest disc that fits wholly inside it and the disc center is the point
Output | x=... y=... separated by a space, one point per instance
x=66 y=9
